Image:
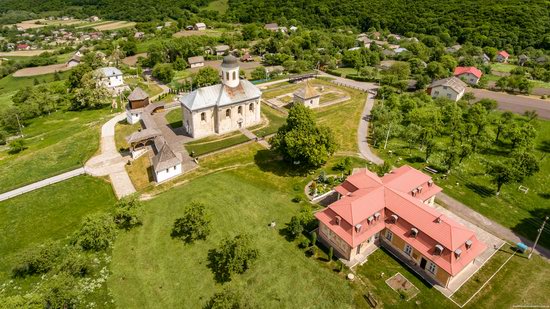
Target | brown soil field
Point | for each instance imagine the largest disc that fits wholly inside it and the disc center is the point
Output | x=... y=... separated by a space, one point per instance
x=114 y=25
x=132 y=60
x=24 y=53
x=47 y=69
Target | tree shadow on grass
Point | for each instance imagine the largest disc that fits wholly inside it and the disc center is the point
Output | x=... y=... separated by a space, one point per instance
x=270 y=162
x=545 y=195
x=544 y=146
x=528 y=227
x=480 y=190
x=415 y=159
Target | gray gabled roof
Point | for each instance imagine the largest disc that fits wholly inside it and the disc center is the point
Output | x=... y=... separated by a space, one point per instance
x=137 y=95
x=196 y=59
x=220 y=95
x=452 y=82
x=143 y=135
x=165 y=158
x=110 y=71
x=307 y=92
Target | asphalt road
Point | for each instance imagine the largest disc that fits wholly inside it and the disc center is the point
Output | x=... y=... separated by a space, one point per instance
x=515 y=103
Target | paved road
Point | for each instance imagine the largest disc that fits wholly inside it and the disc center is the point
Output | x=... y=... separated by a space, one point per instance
x=515 y=103
x=363 y=131
x=110 y=162
x=42 y=183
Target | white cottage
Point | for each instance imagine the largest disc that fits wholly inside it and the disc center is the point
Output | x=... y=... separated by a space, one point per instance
x=166 y=163
x=450 y=88
x=111 y=78
x=307 y=96
x=196 y=62
x=222 y=108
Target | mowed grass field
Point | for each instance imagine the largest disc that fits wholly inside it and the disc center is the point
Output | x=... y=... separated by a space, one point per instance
x=9 y=85
x=53 y=212
x=56 y=143
x=150 y=269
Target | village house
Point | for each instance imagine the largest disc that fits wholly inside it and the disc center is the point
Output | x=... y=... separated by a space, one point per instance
x=470 y=75
x=221 y=50
x=271 y=27
x=308 y=96
x=394 y=211
x=247 y=57
x=502 y=56
x=166 y=162
x=199 y=26
x=222 y=108
x=112 y=79
x=196 y=62
x=23 y=47
x=137 y=100
x=139 y=35
x=450 y=88
x=93 y=18
x=74 y=61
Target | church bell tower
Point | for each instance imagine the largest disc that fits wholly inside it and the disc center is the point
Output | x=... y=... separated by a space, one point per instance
x=230 y=71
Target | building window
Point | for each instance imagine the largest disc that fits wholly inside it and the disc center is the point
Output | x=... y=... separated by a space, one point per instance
x=226 y=75
x=234 y=75
x=389 y=235
x=431 y=267
x=167 y=170
x=408 y=249
x=436 y=93
x=203 y=116
x=448 y=95
x=228 y=113
x=251 y=107
x=240 y=110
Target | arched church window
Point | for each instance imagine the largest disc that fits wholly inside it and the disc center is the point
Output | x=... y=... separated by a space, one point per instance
x=240 y=110
x=226 y=75
x=234 y=75
x=203 y=116
x=251 y=107
x=228 y=113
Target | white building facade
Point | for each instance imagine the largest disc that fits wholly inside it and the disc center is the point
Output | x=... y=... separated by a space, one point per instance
x=450 y=88
x=222 y=108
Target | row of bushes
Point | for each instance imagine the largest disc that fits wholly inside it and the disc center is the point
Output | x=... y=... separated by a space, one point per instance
x=360 y=78
x=333 y=72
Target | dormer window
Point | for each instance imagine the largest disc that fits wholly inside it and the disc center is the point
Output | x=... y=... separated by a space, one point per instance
x=377 y=216
x=458 y=252
x=419 y=189
x=358 y=228
x=337 y=219
x=413 y=192
x=370 y=219
x=430 y=183
x=438 y=249
x=394 y=218
x=468 y=244
x=438 y=220
x=414 y=232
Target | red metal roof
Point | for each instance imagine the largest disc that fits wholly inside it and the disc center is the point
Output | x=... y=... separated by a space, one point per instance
x=465 y=70
x=503 y=53
x=370 y=201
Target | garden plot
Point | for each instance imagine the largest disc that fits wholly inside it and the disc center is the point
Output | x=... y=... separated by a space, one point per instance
x=283 y=95
x=114 y=25
x=403 y=286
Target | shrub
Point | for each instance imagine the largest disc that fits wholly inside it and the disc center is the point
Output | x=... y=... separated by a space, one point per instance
x=96 y=234
x=333 y=72
x=17 y=145
x=359 y=78
x=344 y=165
x=194 y=225
x=230 y=298
x=74 y=263
x=37 y=260
x=127 y=213
x=61 y=291
x=294 y=227
x=297 y=199
x=303 y=242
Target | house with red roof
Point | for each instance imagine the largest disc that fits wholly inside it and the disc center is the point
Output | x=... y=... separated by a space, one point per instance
x=502 y=56
x=23 y=47
x=470 y=75
x=394 y=211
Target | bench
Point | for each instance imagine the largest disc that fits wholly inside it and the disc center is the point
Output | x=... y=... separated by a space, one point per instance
x=431 y=170
x=370 y=299
x=523 y=189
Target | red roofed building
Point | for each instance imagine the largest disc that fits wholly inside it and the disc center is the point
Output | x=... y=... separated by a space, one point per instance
x=470 y=75
x=502 y=56
x=23 y=47
x=394 y=211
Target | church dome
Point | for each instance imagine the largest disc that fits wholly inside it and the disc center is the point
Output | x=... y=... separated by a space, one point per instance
x=230 y=62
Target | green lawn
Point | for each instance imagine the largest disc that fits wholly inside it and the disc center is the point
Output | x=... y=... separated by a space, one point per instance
x=10 y=83
x=56 y=143
x=219 y=6
x=503 y=67
x=174 y=118
x=207 y=145
x=122 y=130
x=346 y=71
x=53 y=212
x=529 y=283
x=166 y=273
x=469 y=184
x=151 y=88
x=276 y=119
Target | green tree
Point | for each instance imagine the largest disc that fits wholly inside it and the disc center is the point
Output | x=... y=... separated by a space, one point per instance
x=194 y=225
x=127 y=212
x=233 y=256
x=502 y=83
x=163 y=72
x=61 y=291
x=96 y=234
x=526 y=164
x=436 y=70
x=230 y=298
x=259 y=73
x=294 y=227
x=89 y=94
x=301 y=141
x=503 y=122
x=205 y=77
x=501 y=173
x=17 y=145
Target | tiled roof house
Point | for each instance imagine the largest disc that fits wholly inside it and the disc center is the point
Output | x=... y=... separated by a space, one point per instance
x=394 y=211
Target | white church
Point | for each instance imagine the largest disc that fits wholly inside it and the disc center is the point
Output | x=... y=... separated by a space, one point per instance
x=222 y=108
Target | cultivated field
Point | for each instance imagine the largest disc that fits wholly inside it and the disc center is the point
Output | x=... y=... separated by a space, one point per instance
x=208 y=32
x=132 y=60
x=47 y=69
x=24 y=53
x=114 y=25
x=39 y=23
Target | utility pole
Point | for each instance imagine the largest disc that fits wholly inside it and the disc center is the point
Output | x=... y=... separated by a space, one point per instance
x=538 y=237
